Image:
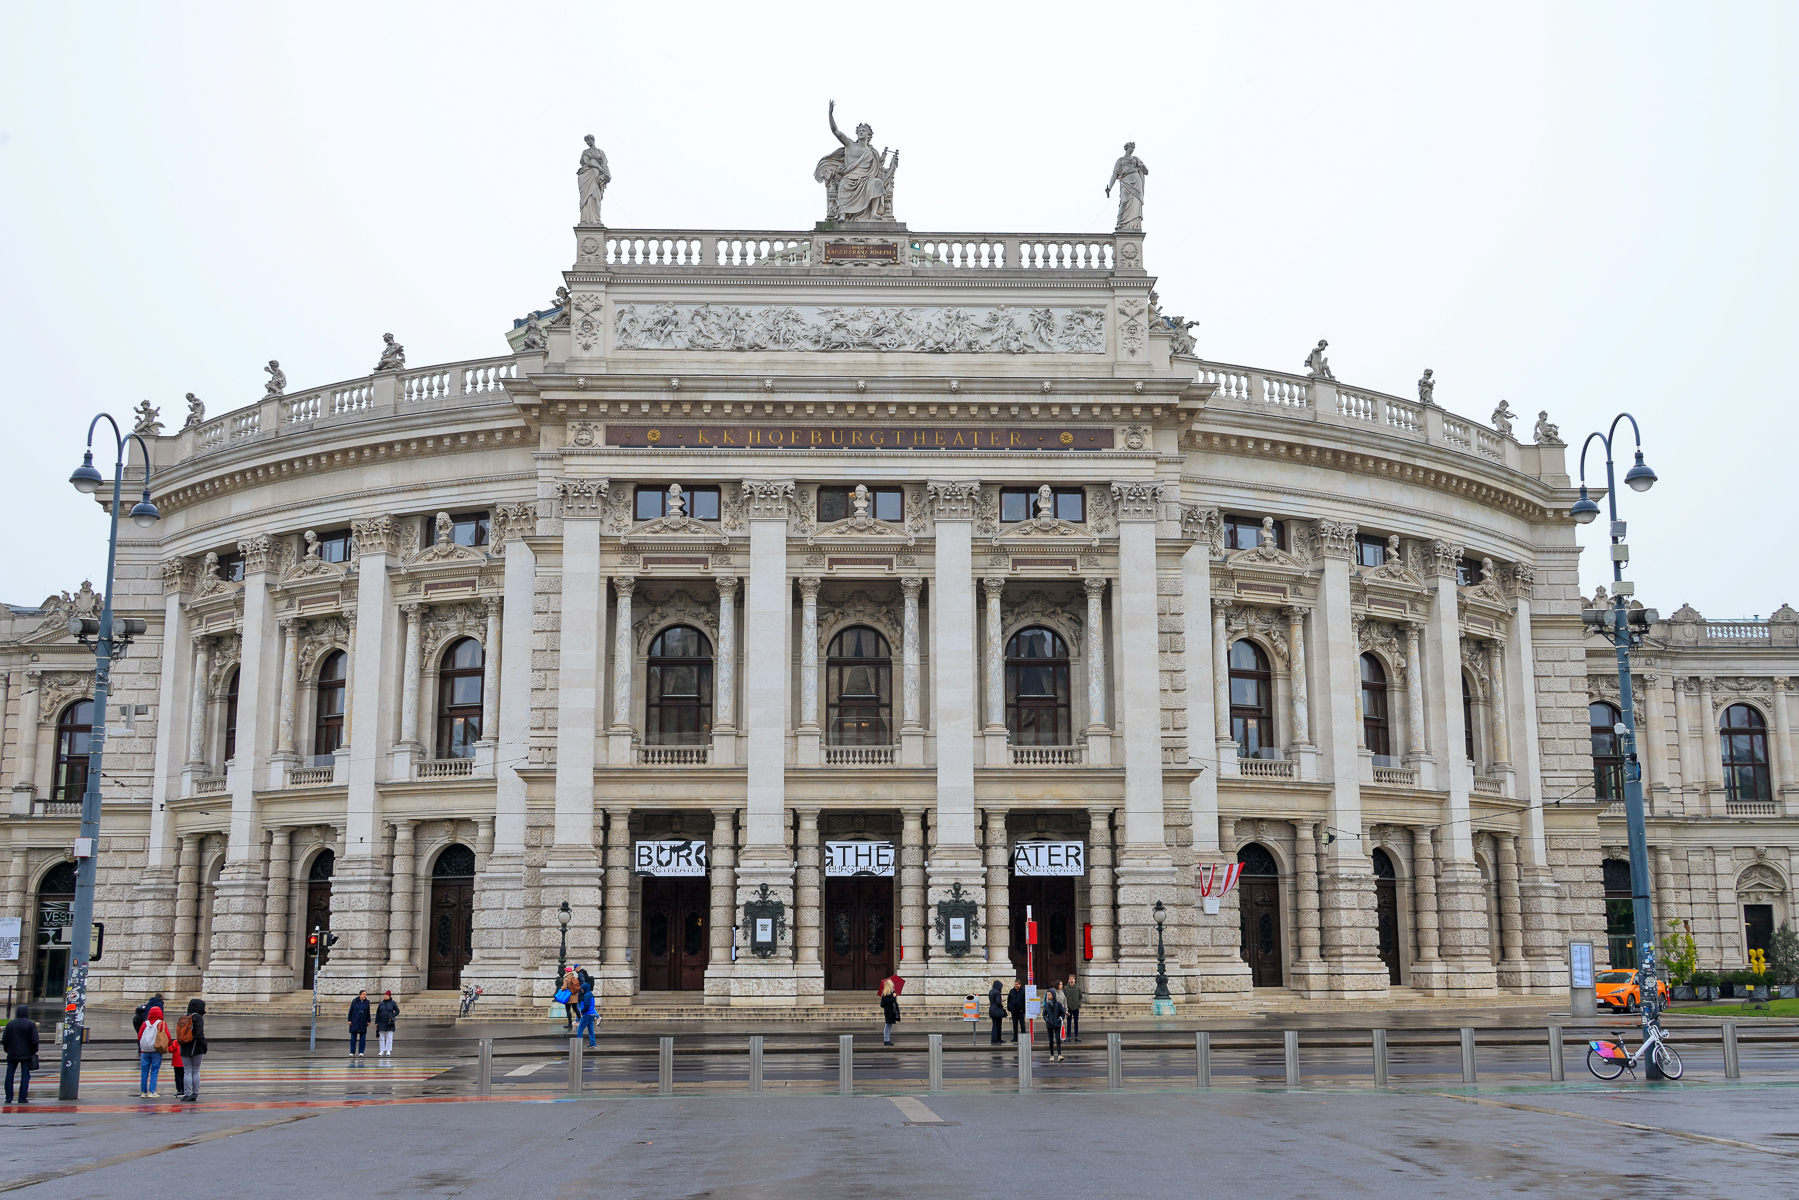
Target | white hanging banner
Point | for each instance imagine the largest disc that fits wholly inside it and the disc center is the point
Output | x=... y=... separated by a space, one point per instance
x=9 y=939
x=1049 y=858
x=859 y=858
x=671 y=859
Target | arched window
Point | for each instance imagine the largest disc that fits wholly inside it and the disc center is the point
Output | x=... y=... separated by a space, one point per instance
x=459 y=699
x=328 y=726
x=1468 y=718
x=1608 y=762
x=231 y=717
x=73 y=729
x=678 y=692
x=1376 y=733
x=1252 y=701
x=1743 y=737
x=1037 y=689
x=859 y=688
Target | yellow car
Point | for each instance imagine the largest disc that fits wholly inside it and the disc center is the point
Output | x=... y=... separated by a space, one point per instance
x=1618 y=991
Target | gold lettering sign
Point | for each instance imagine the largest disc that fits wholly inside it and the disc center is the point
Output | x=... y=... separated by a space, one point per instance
x=850 y=253
x=859 y=437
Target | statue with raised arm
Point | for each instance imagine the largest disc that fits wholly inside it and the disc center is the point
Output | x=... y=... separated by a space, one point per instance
x=277 y=379
x=591 y=178
x=1502 y=419
x=147 y=423
x=858 y=181
x=1427 y=387
x=393 y=355
x=1128 y=173
x=1183 y=335
x=1318 y=366
x=196 y=411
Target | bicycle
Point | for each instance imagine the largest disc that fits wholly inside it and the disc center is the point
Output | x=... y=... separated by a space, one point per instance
x=1608 y=1060
x=470 y=994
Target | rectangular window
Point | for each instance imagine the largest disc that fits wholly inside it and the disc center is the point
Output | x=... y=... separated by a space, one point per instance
x=231 y=567
x=839 y=503
x=1245 y=533
x=466 y=529
x=1370 y=551
x=334 y=547
x=1467 y=572
x=1020 y=504
x=700 y=503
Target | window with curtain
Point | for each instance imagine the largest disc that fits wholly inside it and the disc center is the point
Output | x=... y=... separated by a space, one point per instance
x=231 y=716
x=459 y=683
x=1377 y=733
x=74 y=729
x=328 y=718
x=1608 y=759
x=1252 y=701
x=1743 y=740
x=859 y=689
x=1037 y=707
x=678 y=688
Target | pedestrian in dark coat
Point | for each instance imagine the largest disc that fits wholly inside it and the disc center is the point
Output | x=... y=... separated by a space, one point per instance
x=359 y=1025
x=1053 y=1012
x=143 y=1013
x=386 y=1013
x=1015 y=1006
x=889 y=1011
x=996 y=1008
x=21 y=1044
x=194 y=1049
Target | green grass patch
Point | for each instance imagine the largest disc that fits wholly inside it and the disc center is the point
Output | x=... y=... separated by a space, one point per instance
x=1773 y=1008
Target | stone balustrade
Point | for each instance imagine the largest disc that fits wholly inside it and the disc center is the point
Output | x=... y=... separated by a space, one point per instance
x=1048 y=756
x=209 y=787
x=1406 y=777
x=860 y=756
x=441 y=768
x=1266 y=768
x=673 y=756
x=310 y=776
x=710 y=250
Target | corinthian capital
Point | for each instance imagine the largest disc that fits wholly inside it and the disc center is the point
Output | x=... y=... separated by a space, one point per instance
x=1334 y=539
x=584 y=498
x=375 y=535
x=953 y=499
x=767 y=499
x=1136 y=499
x=1443 y=557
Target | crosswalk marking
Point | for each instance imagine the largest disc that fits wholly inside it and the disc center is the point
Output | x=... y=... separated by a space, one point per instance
x=517 y=1072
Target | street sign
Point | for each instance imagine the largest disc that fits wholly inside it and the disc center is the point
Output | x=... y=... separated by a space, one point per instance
x=685 y=858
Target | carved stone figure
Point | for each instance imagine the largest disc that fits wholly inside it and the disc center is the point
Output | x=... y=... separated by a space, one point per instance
x=445 y=529
x=277 y=379
x=1426 y=388
x=1183 y=338
x=949 y=330
x=196 y=411
x=1547 y=432
x=858 y=182
x=312 y=544
x=393 y=355
x=209 y=567
x=1129 y=173
x=591 y=178
x=1318 y=366
x=534 y=339
x=1502 y=419
x=677 y=503
x=146 y=420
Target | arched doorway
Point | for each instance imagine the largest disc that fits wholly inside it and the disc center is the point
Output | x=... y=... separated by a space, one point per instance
x=1386 y=913
x=1259 y=902
x=450 y=930
x=318 y=906
x=55 y=909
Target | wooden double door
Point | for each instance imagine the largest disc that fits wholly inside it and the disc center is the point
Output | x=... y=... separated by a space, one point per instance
x=859 y=932
x=1259 y=899
x=1051 y=901
x=449 y=932
x=673 y=934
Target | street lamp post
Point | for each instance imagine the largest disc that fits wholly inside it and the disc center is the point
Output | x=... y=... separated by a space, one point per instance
x=1624 y=627
x=563 y=916
x=107 y=638
x=1163 y=1005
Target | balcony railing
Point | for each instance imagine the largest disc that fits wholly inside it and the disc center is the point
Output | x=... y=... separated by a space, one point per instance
x=209 y=787
x=56 y=808
x=1406 y=777
x=1266 y=768
x=443 y=768
x=310 y=776
x=1048 y=756
x=860 y=756
x=1488 y=786
x=1752 y=808
x=673 y=756
x=696 y=250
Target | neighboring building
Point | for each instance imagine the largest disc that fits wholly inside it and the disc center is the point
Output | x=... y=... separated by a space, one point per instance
x=798 y=607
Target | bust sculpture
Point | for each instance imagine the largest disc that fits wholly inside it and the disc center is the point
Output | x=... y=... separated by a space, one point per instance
x=277 y=379
x=446 y=531
x=591 y=178
x=1128 y=173
x=196 y=411
x=1426 y=388
x=677 y=503
x=858 y=181
x=312 y=545
x=1318 y=366
x=147 y=423
x=1046 y=503
x=1547 y=432
x=1502 y=419
x=393 y=355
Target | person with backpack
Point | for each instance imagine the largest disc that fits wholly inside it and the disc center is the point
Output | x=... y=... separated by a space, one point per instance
x=584 y=1003
x=996 y=1009
x=190 y=1041
x=359 y=1025
x=585 y=979
x=386 y=1013
x=21 y=1043
x=153 y=1041
x=1053 y=1012
x=889 y=1011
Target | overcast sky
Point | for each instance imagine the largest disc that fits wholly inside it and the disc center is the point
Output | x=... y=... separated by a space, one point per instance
x=1577 y=207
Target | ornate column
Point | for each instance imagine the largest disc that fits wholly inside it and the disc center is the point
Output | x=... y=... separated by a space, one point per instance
x=1786 y=772
x=1101 y=885
x=187 y=901
x=724 y=693
x=1691 y=787
x=1663 y=899
x=623 y=658
x=1305 y=900
x=998 y=860
x=808 y=898
x=1416 y=745
x=196 y=718
x=723 y=851
x=1502 y=725
x=911 y=719
x=1424 y=893
x=808 y=734
x=25 y=776
x=409 y=682
x=274 y=938
x=343 y=751
x=1296 y=639
x=400 y=918
x=1654 y=754
x=911 y=889
x=1711 y=760
x=994 y=735
x=490 y=677
x=1511 y=930
x=290 y=687
x=1221 y=688
x=1096 y=653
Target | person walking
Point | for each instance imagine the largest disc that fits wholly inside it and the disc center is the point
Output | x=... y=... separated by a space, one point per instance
x=1053 y=1012
x=889 y=1011
x=1071 y=998
x=1015 y=1006
x=21 y=1043
x=359 y=1025
x=190 y=1038
x=588 y=1016
x=996 y=1009
x=585 y=979
x=386 y=1013
x=571 y=1007
x=153 y=1041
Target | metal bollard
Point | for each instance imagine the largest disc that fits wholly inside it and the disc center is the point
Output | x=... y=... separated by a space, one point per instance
x=1115 y=1061
x=574 y=1066
x=1558 y=1063
x=936 y=1062
x=1202 y=1045
x=1292 y=1048
x=1024 y=1061
x=484 y=1067
x=846 y=1064
x=1467 y=1055
x=665 y=1067
x=1733 y=1065
x=756 y=1063
x=1380 y=1058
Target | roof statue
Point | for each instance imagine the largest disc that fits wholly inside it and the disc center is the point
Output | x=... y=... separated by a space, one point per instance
x=1427 y=387
x=1318 y=366
x=196 y=411
x=1502 y=419
x=858 y=182
x=591 y=177
x=146 y=419
x=1547 y=432
x=1128 y=173
x=277 y=379
x=393 y=355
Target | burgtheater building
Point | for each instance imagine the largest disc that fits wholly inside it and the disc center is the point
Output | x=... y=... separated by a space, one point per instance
x=799 y=607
